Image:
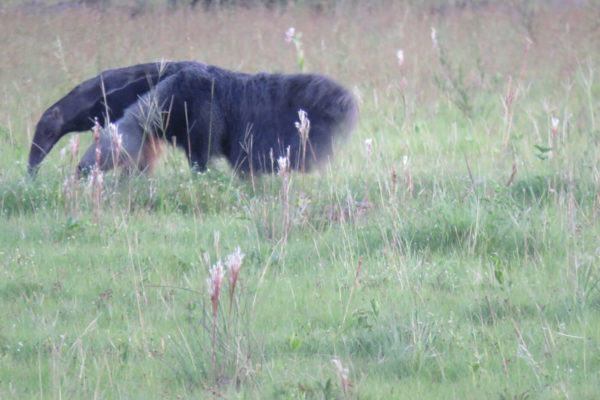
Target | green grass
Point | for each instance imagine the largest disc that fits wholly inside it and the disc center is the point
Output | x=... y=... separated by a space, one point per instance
x=423 y=264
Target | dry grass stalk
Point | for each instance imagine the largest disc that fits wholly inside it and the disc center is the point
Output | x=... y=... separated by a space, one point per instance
x=214 y=281
x=284 y=174
x=511 y=96
x=97 y=176
x=303 y=127
x=342 y=374
x=70 y=186
x=233 y=264
x=217 y=273
x=356 y=284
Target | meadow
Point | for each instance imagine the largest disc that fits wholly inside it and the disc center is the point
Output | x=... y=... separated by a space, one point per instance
x=450 y=250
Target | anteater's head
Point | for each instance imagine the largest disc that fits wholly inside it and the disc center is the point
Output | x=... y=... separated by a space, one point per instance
x=47 y=132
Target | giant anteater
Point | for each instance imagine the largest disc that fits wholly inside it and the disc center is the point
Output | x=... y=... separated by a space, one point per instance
x=207 y=111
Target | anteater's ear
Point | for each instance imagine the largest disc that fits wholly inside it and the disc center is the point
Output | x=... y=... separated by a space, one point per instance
x=56 y=114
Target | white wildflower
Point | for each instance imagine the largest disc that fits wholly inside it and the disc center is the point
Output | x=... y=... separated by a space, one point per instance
x=434 y=37
x=303 y=125
x=234 y=260
x=400 y=57
x=369 y=145
x=282 y=162
x=290 y=34
x=234 y=263
x=115 y=136
x=216 y=274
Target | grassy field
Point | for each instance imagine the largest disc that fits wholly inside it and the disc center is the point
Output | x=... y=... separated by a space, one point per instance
x=451 y=250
